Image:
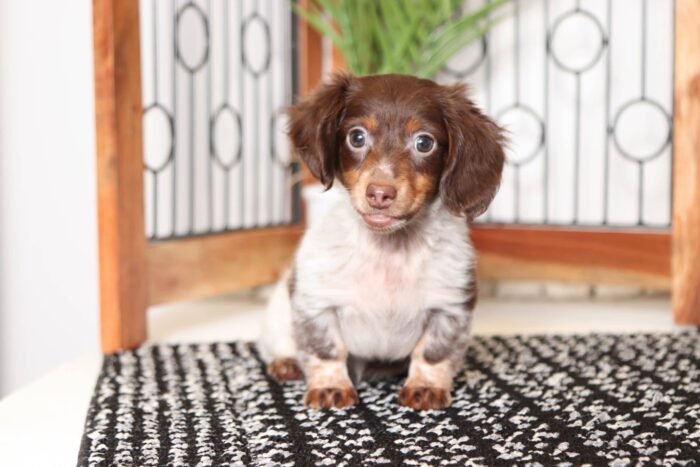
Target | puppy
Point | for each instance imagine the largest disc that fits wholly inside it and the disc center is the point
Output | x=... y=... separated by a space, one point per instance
x=385 y=281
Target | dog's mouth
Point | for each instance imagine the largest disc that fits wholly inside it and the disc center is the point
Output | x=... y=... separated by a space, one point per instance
x=382 y=222
x=379 y=220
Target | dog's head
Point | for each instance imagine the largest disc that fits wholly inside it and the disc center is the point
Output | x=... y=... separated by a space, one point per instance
x=397 y=143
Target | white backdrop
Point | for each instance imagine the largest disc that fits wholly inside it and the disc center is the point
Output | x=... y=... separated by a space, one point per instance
x=48 y=231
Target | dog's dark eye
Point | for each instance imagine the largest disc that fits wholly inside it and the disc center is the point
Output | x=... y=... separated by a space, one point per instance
x=357 y=138
x=424 y=143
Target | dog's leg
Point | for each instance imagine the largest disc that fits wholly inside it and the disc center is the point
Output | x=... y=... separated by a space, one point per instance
x=276 y=342
x=437 y=355
x=324 y=360
x=284 y=369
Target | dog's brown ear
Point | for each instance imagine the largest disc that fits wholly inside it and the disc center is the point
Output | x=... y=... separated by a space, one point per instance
x=314 y=124
x=475 y=155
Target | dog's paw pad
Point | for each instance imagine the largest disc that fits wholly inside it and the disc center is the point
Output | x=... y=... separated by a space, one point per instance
x=284 y=369
x=327 y=398
x=424 y=397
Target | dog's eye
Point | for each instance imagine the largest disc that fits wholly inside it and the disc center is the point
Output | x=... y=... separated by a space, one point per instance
x=424 y=143
x=357 y=138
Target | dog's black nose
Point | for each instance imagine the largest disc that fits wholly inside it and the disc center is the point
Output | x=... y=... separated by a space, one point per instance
x=380 y=196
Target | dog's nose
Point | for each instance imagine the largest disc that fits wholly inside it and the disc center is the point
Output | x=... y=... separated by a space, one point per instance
x=380 y=196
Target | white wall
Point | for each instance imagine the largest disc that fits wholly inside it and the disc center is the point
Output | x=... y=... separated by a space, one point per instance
x=48 y=244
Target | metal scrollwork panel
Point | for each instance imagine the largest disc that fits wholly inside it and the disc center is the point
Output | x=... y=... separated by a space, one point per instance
x=585 y=90
x=216 y=75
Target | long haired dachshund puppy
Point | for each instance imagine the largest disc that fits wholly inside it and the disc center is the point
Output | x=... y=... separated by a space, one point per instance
x=385 y=282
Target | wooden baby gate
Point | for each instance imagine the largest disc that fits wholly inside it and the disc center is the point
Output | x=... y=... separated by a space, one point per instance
x=136 y=273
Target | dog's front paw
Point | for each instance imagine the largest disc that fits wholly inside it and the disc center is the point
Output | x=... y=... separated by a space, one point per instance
x=327 y=398
x=424 y=397
x=284 y=369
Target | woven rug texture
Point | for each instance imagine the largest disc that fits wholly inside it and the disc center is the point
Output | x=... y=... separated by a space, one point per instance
x=537 y=400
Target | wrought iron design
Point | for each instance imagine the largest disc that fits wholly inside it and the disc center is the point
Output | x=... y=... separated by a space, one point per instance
x=469 y=68
x=596 y=63
x=196 y=185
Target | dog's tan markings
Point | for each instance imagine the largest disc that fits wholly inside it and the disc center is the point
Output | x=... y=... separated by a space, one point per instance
x=327 y=381
x=424 y=398
x=284 y=369
x=350 y=177
x=424 y=189
x=423 y=184
x=370 y=123
x=428 y=384
x=328 y=384
x=331 y=398
x=412 y=126
x=323 y=357
x=357 y=179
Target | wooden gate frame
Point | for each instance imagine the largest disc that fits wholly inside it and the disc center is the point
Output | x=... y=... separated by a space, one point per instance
x=136 y=273
x=668 y=259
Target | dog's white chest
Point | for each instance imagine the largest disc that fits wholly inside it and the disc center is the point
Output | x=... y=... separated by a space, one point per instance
x=382 y=292
x=384 y=312
x=391 y=281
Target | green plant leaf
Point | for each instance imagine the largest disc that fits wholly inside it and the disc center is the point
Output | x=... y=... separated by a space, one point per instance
x=454 y=29
x=398 y=36
x=316 y=20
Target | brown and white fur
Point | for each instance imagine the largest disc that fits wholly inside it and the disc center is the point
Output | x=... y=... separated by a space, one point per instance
x=385 y=280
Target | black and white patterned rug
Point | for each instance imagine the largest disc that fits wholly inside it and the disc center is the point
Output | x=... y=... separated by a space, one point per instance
x=595 y=399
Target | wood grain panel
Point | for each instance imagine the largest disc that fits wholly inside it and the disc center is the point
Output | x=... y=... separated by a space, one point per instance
x=310 y=58
x=337 y=60
x=209 y=265
x=122 y=242
x=686 y=164
x=639 y=258
x=310 y=54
